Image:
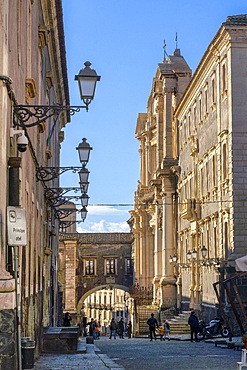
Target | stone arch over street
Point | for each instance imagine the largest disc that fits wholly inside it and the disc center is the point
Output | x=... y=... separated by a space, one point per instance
x=93 y=290
x=92 y=262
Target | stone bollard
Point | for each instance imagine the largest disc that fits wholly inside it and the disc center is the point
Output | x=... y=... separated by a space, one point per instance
x=89 y=340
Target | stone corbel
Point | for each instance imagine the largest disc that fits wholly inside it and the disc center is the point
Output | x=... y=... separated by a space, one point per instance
x=31 y=91
x=49 y=82
x=176 y=170
x=43 y=36
x=61 y=137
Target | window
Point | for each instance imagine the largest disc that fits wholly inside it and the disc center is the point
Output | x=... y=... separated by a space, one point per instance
x=207 y=177
x=214 y=172
x=223 y=78
x=128 y=266
x=202 y=181
x=195 y=116
x=226 y=239
x=224 y=164
x=200 y=110
x=90 y=267
x=213 y=91
x=215 y=242
x=110 y=266
x=206 y=101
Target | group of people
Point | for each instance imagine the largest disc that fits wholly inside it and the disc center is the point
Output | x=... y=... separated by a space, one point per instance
x=94 y=329
x=118 y=328
x=164 y=330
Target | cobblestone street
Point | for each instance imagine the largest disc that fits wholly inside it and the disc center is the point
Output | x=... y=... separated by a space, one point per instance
x=141 y=354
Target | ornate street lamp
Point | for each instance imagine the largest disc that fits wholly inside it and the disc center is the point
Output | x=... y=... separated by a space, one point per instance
x=83 y=213
x=174 y=258
x=189 y=255
x=84 y=200
x=194 y=254
x=84 y=150
x=87 y=79
x=83 y=175
x=204 y=251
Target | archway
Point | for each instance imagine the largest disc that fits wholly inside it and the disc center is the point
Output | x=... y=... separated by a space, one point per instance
x=102 y=303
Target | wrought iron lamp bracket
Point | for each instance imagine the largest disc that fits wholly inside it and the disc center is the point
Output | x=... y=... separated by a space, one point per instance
x=40 y=113
x=65 y=212
x=55 y=195
x=66 y=224
x=50 y=173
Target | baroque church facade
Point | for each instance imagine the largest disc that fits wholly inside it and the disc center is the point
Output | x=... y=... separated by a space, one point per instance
x=189 y=210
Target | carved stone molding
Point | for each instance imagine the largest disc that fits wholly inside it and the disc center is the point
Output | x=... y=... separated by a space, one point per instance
x=89 y=238
x=31 y=91
x=49 y=82
x=43 y=36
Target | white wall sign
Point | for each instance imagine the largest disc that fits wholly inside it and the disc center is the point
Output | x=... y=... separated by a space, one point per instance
x=17 y=229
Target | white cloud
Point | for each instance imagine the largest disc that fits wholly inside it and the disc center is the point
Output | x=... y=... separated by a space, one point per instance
x=104 y=227
x=105 y=210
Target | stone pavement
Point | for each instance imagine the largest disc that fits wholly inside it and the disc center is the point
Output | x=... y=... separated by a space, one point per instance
x=88 y=357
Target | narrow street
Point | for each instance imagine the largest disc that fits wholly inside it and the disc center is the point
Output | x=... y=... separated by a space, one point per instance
x=141 y=354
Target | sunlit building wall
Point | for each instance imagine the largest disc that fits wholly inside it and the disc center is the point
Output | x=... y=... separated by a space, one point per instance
x=188 y=219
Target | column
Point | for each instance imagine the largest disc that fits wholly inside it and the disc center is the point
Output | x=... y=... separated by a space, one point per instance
x=157 y=249
x=168 y=281
x=70 y=271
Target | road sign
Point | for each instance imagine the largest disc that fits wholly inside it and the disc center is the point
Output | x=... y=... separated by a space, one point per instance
x=17 y=229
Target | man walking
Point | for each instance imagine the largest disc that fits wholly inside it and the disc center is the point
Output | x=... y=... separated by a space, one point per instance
x=194 y=326
x=113 y=328
x=152 y=323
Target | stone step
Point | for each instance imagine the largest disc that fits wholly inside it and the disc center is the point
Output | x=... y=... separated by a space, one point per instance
x=179 y=327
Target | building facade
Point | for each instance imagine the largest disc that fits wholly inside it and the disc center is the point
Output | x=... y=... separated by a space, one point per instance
x=153 y=219
x=189 y=214
x=32 y=72
x=211 y=131
x=95 y=272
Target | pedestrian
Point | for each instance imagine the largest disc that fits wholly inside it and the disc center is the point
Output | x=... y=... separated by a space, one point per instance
x=161 y=332
x=66 y=320
x=113 y=328
x=96 y=331
x=129 y=329
x=121 y=328
x=153 y=324
x=91 y=325
x=194 y=325
x=167 y=330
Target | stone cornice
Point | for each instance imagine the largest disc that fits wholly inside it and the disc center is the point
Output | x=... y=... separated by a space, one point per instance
x=99 y=238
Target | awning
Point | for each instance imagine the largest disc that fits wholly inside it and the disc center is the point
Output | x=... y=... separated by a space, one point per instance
x=241 y=263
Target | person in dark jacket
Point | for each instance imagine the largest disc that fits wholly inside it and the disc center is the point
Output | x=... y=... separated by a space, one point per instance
x=194 y=326
x=121 y=328
x=91 y=325
x=129 y=329
x=113 y=328
x=66 y=320
x=153 y=324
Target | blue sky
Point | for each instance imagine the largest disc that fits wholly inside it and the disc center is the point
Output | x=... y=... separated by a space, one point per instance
x=123 y=39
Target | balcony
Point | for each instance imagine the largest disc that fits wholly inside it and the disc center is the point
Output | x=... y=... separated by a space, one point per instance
x=190 y=210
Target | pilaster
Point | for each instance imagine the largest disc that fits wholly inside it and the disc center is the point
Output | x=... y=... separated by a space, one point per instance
x=70 y=271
